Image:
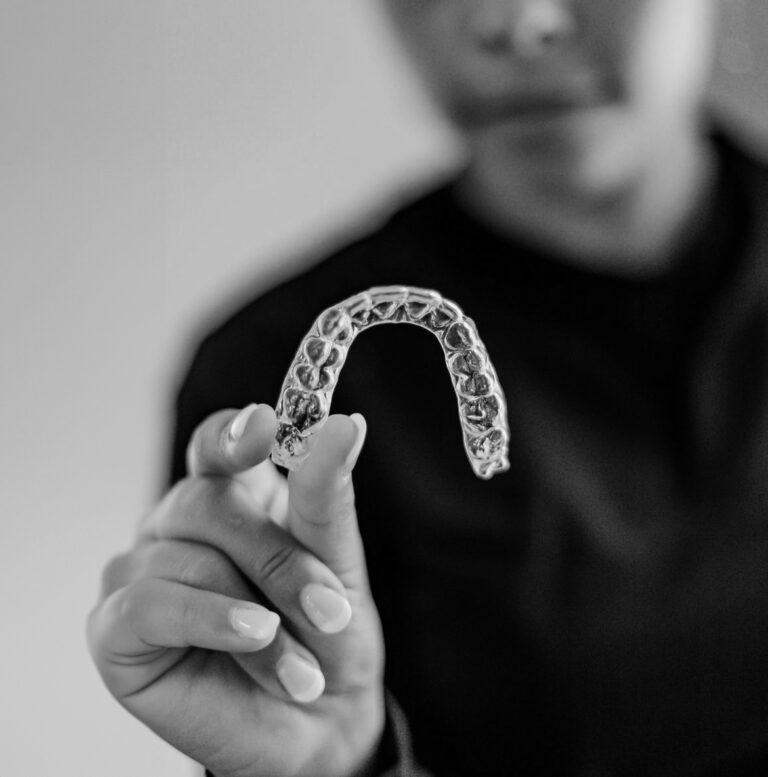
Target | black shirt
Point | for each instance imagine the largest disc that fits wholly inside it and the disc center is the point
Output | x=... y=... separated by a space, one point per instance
x=601 y=609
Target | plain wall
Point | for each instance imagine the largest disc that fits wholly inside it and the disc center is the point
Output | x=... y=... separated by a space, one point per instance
x=158 y=161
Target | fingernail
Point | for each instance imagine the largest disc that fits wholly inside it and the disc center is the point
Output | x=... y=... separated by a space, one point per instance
x=254 y=622
x=238 y=423
x=326 y=608
x=362 y=427
x=303 y=681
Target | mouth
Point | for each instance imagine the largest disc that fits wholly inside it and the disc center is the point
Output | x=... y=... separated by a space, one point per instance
x=541 y=106
x=542 y=101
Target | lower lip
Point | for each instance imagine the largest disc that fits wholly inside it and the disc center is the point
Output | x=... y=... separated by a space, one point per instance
x=570 y=100
x=543 y=114
x=571 y=119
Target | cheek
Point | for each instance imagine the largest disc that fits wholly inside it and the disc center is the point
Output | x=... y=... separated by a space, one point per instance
x=423 y=27
x=437 y=36
x=668 y=54
x=429 y=29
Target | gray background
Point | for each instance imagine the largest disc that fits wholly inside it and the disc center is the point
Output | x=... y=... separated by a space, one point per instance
x=158 y=161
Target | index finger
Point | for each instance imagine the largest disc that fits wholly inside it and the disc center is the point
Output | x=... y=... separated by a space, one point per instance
x=229 y=442
x=321 y=500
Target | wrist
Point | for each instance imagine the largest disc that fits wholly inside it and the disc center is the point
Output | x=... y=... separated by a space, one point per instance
x=361 y=733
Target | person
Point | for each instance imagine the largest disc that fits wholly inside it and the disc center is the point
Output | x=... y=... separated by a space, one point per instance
x=598 y=610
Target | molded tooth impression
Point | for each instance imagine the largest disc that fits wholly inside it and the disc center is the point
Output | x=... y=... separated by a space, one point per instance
x=305 y=398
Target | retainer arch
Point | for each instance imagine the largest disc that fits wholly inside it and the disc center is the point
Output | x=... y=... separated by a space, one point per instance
x=305 y=398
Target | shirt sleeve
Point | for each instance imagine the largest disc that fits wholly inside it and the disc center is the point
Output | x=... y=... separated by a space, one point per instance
x=395 y=751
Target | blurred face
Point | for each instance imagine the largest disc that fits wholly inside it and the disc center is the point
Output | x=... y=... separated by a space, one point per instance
x=587 y=78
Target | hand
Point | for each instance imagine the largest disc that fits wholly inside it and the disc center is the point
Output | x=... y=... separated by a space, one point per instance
x=240 y=626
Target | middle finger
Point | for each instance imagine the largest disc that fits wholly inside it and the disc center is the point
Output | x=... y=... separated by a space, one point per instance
x=220 y=512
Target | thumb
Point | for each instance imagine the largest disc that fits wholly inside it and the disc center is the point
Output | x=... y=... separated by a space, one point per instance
x=321 y=500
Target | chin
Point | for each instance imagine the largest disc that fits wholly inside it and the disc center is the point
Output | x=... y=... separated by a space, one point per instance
x=596 y=148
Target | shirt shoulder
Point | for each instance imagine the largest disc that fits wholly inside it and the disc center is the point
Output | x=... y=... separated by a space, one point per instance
x=267 y=329
x=746 y=157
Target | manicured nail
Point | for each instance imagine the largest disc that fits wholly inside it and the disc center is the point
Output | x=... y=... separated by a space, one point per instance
x=303 y=681
x=254 y=622
x=362 y=427
x=328 y=610
x=238 y=423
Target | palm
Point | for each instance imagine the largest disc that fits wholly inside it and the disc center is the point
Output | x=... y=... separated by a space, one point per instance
x=208 y=706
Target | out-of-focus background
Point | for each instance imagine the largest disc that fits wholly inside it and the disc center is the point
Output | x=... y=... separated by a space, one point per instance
x=158 y=162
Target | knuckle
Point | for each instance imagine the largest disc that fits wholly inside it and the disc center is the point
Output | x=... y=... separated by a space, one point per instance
x=235 y=504
x=94 y=636
x=233 y=517
x=188 y=497
x=193 y=505
x=364 y=665
x=195 y=446
x=345 y=510
x=339 y=510
x=188 y=615
x=190 y=565
x=115 y=573
x=305 y=514
x=169 y=560
x=134 y=606
x=173 y=507
x=279 y=563
x=202 y=566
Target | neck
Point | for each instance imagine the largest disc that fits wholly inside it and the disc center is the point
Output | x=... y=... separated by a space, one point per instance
x=628 y=219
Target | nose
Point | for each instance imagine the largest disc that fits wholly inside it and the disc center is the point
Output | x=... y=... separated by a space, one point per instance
x=524 y=29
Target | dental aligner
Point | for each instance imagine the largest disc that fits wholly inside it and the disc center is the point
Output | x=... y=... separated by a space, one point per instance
x=305 y=398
